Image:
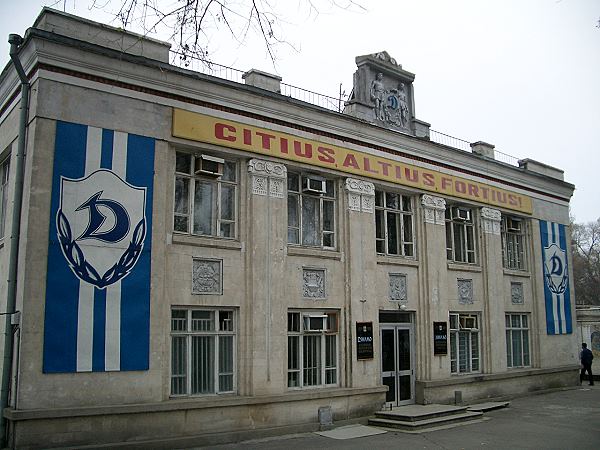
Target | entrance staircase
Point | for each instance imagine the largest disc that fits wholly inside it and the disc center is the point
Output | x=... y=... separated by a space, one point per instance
x=419 y=418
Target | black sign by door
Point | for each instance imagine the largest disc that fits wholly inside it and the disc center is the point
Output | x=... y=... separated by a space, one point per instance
x=364 y=340
x=440 y=338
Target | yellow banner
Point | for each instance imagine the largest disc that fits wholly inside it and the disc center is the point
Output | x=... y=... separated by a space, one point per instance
x=227 y=133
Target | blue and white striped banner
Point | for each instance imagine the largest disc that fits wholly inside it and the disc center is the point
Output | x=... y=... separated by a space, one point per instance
x=556 y=278
x=98 y=278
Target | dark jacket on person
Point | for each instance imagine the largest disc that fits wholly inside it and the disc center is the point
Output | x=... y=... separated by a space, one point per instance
x=586 y=356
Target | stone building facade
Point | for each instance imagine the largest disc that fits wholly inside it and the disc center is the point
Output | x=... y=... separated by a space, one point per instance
x=205 y=259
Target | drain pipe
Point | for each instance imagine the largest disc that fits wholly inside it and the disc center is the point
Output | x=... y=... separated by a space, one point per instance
x=15 y=42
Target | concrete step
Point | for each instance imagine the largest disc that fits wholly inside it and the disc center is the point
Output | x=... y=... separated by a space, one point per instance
x=488 y=406
x=411 y=425
x=414 y=413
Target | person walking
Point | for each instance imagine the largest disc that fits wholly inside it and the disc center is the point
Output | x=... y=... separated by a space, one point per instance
x=586 y=357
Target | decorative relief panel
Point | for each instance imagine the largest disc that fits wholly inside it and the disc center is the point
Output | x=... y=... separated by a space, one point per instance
x=465 y=292
x=398 y=287
x=490 y=220
x=516 y=293
x=434 y=209
x=361 y=195
x=267 y=178
x=207 y=276
x=259 y=185
x=313 y=283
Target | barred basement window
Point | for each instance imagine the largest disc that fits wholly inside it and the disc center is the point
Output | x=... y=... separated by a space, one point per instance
x=203 y=348
x=312 y=349
x=311 y=210
x=460 y=235
x=4 y=170
x=394 y=224
x=464 y=343
x=513 y=230
x=517 y=340
x=205 y=195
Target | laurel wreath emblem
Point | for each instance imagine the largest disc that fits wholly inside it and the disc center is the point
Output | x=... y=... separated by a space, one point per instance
x=83 y=269
x=562 y=286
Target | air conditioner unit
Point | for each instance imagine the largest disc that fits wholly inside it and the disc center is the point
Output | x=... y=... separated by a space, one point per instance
x=461 y=213
x=313 y=184
x=468 y=323
x=513 y=224
x=315 y=322
x=209 y=165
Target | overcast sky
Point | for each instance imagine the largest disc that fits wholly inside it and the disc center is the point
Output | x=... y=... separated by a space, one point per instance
x=523 y=75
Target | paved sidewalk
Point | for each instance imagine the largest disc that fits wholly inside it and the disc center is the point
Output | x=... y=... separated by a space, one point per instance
x=567 y=419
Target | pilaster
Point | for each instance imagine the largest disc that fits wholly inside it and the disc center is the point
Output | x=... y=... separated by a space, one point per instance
x=267 y=230
x=493 y=351
x=433 y=297
x=361 y=266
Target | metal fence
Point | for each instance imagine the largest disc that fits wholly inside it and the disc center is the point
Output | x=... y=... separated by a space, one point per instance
x=314 y=98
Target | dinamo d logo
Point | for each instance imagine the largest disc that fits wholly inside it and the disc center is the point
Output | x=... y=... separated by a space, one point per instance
x=555 y=269
x=101 y=226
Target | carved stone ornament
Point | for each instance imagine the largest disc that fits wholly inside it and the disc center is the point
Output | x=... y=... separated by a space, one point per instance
x=465 y=292
x=267 y=178
x=361 y=195
x=434 y=209
x=516 y=293
x=313 y=283
x=206 y=276
x=490 y=220
x=398 y=287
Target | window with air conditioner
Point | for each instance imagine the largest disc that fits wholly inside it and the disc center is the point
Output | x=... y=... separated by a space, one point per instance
x=311 y=210
x=514 y=239
x=203 y=351
x=464 y=343
x=314 y=184
x=312 y=359
x=208 y=165
x=205 y=195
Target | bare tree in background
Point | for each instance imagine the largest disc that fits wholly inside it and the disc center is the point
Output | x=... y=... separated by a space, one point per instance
x=191 y=24
x=586 y=262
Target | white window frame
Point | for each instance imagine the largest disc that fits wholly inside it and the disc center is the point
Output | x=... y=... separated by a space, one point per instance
x=465 y=325
x=186 y=335
x=404 y=211
x=298 y=333
x=219 y=183
x=465 y=228
x=519 y=327
x=514 y=243
x=297 y=195
x=4 y=176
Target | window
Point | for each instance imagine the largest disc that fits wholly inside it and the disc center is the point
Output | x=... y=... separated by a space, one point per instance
x=513 y=242
x=202 y=351
x=4 y=169
x=205 y=195
x=517 y=340
x=394 y=224
x=311 y=210
x=460 y=235
x=464 y=343
x=312 y=349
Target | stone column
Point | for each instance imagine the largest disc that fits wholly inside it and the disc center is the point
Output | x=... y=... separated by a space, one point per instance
x=493 y=353
x=360 y=268
x=266 y=317
x=433 y=296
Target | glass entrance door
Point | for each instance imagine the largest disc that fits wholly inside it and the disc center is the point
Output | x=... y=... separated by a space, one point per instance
x=397 y=363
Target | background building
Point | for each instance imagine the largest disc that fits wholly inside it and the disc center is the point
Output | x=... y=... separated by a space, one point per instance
x=199 y=256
